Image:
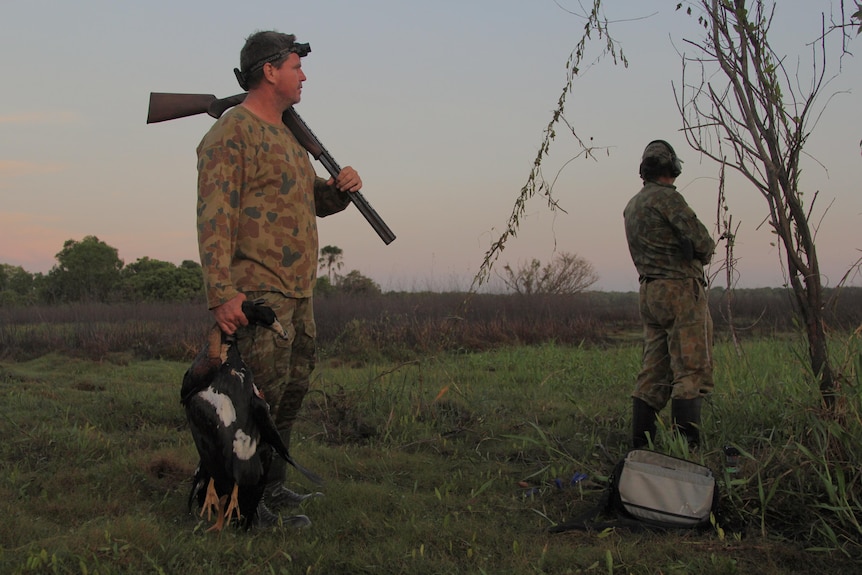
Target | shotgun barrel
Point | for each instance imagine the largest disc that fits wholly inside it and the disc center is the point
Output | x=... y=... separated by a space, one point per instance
x=314 y=147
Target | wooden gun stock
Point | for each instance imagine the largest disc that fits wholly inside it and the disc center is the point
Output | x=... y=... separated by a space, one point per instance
x=167 y=106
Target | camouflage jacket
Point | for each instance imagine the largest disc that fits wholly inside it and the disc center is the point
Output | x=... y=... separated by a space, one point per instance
x=258 y=196
x=664 y=233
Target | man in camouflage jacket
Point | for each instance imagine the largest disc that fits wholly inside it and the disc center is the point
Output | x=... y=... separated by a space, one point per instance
x=669 y=247
x=258 y=200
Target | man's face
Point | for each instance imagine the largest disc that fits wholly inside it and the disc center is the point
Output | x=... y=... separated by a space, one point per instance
x=289 y=78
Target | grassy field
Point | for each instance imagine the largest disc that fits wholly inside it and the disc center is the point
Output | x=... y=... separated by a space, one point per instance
x=439 y=464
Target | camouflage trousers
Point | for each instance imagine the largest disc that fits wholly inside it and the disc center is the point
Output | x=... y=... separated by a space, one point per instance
x=677 y=347
x=282 y=367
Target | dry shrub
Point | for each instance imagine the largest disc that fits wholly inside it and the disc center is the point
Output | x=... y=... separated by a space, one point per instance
x=396 y=326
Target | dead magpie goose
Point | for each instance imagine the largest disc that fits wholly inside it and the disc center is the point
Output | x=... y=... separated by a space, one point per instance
x=232 y=427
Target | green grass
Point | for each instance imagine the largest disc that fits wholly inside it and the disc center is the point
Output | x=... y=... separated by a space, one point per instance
x=424 y=464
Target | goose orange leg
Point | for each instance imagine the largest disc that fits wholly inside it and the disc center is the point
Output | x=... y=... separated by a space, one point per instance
x=233 y=506
x=211 y=501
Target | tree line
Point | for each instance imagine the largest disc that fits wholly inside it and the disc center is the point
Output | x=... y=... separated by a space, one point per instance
x=90 y=270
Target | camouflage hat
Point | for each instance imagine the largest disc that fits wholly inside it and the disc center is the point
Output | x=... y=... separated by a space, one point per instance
x=665 y=155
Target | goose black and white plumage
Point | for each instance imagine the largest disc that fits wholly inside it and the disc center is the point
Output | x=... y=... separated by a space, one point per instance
x=231 y=425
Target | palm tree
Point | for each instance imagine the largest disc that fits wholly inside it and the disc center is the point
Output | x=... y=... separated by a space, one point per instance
x=330 y=259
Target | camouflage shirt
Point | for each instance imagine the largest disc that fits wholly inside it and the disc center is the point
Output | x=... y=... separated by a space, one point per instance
x=258 y=196
x=658 y=223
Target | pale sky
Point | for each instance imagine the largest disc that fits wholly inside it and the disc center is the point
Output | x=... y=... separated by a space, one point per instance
x=440 y=105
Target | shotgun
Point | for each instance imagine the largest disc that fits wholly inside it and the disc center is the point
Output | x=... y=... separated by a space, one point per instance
x=166 y=106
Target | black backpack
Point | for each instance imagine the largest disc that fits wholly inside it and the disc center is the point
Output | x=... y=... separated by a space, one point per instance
x=650 y=490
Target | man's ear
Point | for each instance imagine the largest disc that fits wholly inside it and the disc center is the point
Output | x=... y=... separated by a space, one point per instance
x=269 y=71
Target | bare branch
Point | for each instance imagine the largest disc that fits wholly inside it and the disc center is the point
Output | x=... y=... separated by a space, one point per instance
x=764 y=115
x=536 y=184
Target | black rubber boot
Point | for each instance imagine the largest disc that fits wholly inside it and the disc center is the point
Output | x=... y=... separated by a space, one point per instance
x=276 y=495
x=266 y=519
x=643 y=423
x=279 y=496
x=685 y=414
x=277 y=473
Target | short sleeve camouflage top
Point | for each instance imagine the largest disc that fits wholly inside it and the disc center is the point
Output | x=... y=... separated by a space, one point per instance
x=657 y=221
x=257 y=229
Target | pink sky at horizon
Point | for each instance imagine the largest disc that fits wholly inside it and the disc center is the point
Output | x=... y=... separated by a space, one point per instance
x=441 y=111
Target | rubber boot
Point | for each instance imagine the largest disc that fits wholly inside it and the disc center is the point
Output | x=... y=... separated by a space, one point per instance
x=276 y=494
x=266 y=519
x=643 y=423
x=279 y=496
x=685 y=414
x=277 y=473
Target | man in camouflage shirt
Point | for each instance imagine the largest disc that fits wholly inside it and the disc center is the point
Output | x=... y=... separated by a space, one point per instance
x=669 y=247
x=258 y=200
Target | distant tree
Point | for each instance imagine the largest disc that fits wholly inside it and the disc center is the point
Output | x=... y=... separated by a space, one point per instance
x=189 y=283
x=355 y=283
x=567 y=273
x=88 y=270
x=324 y=287
x=154 y=280
x=331 y=260
x=16 y=285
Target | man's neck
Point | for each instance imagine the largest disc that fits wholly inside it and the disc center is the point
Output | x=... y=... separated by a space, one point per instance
x=264 y=106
